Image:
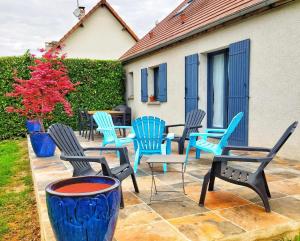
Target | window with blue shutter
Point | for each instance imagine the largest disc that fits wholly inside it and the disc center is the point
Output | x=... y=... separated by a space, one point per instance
x=144 y=85
x=191 y=82
x=238 y=95
x=162 y=83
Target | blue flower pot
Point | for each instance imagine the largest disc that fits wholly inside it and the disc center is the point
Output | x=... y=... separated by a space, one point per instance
x=84 y=216
x=33 y=126
x=42 y=144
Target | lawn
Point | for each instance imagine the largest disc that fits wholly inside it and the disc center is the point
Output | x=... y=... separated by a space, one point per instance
x=18 y=212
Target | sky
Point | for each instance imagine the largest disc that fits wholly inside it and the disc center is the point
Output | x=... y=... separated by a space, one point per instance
x=28 y=24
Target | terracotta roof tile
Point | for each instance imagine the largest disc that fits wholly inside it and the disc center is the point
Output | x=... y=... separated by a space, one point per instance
x=198 y=14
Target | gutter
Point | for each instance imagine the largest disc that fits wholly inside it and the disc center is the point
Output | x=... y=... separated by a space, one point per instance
x=241 y=13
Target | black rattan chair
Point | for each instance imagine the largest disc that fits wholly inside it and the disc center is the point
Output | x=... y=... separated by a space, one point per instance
x=254 y=180
x=72 y=151
x=192 y=124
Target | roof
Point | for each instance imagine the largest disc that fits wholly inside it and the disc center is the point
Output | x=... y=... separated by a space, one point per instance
x=102 y=3
x=189 y=18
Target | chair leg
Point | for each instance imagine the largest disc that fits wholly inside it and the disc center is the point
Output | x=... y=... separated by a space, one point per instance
x=198 y=153
x=211 y=182
x=266 y=184
x=204 y=189
x=122 y=198
x=136 y=161
x=261 y=191
x=136 y=188
x=165 y=167
x=187 y=151
x=180 y=147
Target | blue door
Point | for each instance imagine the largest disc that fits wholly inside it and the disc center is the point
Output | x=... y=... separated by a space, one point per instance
x=191 y=82
x=238 y=93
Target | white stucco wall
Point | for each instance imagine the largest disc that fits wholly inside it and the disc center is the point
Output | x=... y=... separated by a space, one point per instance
x=274 y=75
x=102 y=37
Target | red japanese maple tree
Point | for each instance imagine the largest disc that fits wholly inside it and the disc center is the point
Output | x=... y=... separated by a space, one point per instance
x=48 y=86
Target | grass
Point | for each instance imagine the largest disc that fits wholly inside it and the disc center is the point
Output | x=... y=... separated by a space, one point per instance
x=18 y=212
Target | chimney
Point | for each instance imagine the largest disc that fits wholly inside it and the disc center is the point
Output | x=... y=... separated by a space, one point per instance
x=82 y=12
x=183 y=18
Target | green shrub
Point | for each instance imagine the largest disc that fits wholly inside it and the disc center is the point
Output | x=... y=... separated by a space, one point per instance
x=102 y=87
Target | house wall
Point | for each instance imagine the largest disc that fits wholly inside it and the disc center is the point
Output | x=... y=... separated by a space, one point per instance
x=274 y=75
x=102 y=37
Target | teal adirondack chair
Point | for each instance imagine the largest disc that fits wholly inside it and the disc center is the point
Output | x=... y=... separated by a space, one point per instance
x=149 y=137
x=108 y=129
x=204 y=145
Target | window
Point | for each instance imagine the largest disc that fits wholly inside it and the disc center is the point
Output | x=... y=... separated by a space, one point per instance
x=130 y=86
x=218 y=89
x=184 y=7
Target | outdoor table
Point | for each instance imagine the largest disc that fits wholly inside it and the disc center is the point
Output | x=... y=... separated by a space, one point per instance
x=165 y=159
x=111 y=112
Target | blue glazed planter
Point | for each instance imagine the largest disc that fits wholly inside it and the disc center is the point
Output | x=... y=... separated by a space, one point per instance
x=42 y=144
x=84 y=216
x=33 y=126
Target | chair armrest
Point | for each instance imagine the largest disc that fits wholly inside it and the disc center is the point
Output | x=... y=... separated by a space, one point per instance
x=194 y=134
x=100 y=160
x=170 y=136
x=226 y=158
x=175 y=125
x=123 y=152
x=104 y=129
x=193 y=127
x=123 y=127
x=208 y=130
x=244 y=148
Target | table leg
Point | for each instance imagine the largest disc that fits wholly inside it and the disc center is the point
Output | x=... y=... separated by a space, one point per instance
x=124 y=124
x=182 y=173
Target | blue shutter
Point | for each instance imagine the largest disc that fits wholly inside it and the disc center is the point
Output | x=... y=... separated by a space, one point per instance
x=238 y=96
x=191 y=82
x=162 y=83
x=144 y=85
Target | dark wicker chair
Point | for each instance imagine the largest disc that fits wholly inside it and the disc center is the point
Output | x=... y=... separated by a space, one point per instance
x=192 y=124
x=254 y=180
x=118 y=120
x=73 y=152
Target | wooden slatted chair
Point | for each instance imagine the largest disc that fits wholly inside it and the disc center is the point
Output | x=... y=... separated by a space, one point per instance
x=192 y=124
x=254 y=180
x=73 y=152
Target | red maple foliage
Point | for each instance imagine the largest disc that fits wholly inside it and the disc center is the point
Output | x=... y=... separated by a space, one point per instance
x=48 y=86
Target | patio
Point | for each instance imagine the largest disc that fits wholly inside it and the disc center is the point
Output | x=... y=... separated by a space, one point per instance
x=231 y=212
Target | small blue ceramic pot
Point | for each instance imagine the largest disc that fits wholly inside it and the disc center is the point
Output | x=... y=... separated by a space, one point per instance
x=84 y=216
x=33 y=126
x=42 y=144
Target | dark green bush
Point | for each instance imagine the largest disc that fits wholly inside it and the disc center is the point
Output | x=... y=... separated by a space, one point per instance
x=102 y=87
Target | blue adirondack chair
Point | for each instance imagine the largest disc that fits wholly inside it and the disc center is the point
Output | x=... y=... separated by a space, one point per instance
x=108 y=129
x=149 y=138
x=216 y=148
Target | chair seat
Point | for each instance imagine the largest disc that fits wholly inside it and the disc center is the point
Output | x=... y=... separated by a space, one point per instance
x=234 y=174
x=207 y=146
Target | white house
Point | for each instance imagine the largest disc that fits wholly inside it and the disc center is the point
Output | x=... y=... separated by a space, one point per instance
x=100 y=34
x=223 y=57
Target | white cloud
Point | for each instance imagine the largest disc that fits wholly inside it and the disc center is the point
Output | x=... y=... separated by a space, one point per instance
x=29 y=24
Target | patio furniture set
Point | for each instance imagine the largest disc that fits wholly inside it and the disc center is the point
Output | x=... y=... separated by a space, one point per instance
x=150 y=136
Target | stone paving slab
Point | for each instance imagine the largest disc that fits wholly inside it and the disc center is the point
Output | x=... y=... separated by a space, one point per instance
x=231 y=212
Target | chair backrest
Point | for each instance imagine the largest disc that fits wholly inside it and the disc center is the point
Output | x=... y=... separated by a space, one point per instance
x=230 y=129
x=289 y=131
x=65 y=139
x=194 y=118
x=105 y=125
x=149 y=132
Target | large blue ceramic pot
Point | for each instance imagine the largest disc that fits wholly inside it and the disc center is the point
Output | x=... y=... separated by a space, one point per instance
x=85 y=216
x=42 y=144
x=33 y=126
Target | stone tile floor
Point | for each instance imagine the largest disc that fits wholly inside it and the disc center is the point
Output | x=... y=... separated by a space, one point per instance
x=231 y=212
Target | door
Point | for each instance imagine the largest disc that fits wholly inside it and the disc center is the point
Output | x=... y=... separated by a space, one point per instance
x=238 y=96
x=191 y=82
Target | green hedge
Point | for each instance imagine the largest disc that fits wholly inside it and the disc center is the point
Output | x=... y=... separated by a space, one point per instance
x=102 y=87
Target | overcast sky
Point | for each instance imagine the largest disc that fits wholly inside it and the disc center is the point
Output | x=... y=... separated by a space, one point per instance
x=27 y=24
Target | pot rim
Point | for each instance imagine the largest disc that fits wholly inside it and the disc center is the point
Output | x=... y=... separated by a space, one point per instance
x=49 y=190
